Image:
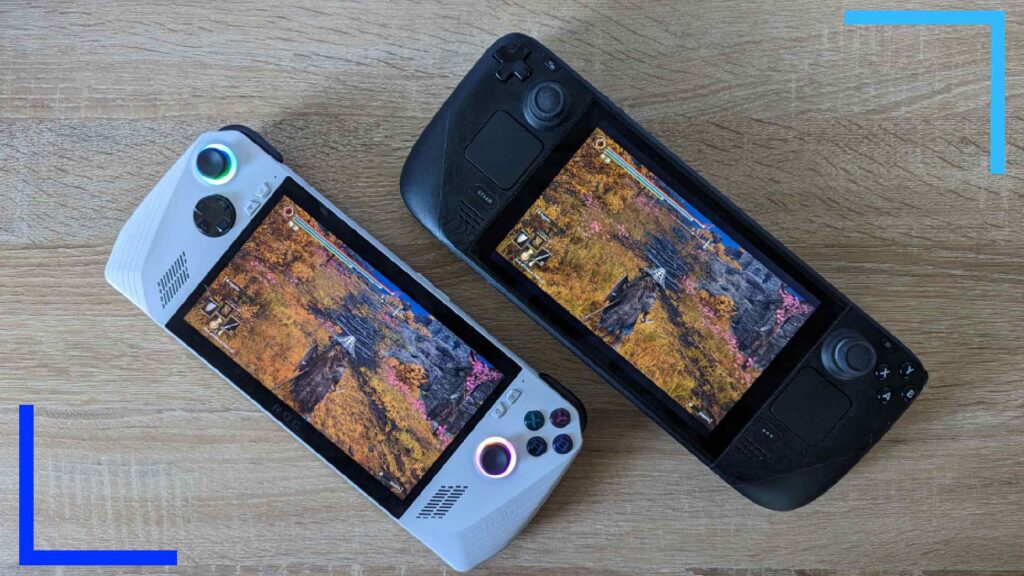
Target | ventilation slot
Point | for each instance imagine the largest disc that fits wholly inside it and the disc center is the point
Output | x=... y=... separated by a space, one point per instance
x=173 y=279
x=442 y=501
x=470 y=215
x=751 y=450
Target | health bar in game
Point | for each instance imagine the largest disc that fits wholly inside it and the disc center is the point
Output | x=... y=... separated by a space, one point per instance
x=653 y=188
x=341 y=255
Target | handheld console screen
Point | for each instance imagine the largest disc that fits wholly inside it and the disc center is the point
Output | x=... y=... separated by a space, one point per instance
x=671 y=292
x=341 y=344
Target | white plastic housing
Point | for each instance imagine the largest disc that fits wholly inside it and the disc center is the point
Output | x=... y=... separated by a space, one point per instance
x=160 y=258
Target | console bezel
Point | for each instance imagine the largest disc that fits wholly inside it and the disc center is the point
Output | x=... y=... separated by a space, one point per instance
x=291 y=419
x=708 y=444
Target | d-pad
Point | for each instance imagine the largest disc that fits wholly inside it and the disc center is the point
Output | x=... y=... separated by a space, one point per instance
x=513 y=61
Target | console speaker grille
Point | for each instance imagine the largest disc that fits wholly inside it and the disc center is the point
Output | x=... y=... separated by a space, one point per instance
x=442 y=501
x=173 y=279
x=751 y=450
x=471 y=215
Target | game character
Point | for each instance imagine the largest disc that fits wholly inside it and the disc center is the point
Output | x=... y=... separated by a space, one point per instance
x=319 y=372
x=629 y=301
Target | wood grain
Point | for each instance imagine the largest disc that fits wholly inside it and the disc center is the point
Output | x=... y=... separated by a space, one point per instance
x=864 y=149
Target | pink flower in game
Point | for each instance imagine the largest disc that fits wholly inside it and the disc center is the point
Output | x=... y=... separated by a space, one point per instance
x=479 y=373
x=791 y=306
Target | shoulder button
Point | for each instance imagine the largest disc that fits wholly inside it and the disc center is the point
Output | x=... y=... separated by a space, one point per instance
x=257 y=139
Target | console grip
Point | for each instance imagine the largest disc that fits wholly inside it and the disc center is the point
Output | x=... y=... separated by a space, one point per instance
x=795 y=489
x=422 y=179
x=257 y=139
x=568 y=395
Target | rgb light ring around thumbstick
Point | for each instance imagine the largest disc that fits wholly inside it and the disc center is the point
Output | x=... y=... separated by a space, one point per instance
x=492 y=446
x=216 y=164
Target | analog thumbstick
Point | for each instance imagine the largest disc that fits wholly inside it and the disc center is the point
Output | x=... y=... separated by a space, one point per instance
x=216 y=164
x=546 y=104
x=849 y=355
x=495 y=457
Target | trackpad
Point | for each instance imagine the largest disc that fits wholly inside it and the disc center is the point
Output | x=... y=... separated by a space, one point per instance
x=811 y=406
x=503 y=149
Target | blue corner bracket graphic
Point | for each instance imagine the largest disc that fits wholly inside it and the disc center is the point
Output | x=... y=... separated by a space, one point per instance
x=27 y=554
x=996 y=21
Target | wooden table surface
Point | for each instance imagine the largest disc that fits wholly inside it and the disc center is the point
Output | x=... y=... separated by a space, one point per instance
x=864 y=149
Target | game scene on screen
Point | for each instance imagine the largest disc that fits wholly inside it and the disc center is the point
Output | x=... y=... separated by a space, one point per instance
x=673 y=294
x=344 y=347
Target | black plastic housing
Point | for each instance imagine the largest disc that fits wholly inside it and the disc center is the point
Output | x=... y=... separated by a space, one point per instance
x=770 y=447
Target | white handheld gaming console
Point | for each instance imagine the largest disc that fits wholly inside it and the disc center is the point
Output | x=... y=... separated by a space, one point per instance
x=379 y=375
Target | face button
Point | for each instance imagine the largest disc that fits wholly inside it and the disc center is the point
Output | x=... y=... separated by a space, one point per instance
x=882 y=372
x=216 y=164
x=907 y=370
x=534 y=420
x=562 y=443
x=545 y=104
x=909 y=393
x=214 y=215
x=536 y=446
x=884 y=395
x=560 y=417
x=495 y=457
x=512 y=59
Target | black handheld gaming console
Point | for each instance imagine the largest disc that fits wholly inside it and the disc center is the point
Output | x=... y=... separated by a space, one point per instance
x=718 y=332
